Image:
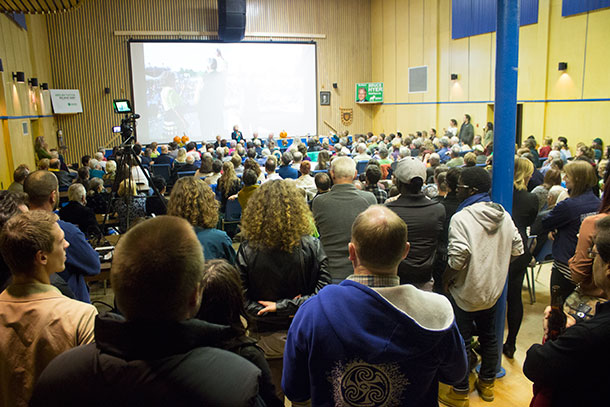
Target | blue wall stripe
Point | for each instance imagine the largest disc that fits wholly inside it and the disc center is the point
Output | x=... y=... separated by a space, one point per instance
x=24 y=117
x=465 y=102
x=474 y=17
x=571 y=7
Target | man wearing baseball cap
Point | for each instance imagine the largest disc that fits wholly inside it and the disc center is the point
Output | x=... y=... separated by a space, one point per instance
x=424 y=218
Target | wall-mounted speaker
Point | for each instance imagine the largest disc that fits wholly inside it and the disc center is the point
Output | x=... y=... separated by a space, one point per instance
x=231 y=20
x=335 y=86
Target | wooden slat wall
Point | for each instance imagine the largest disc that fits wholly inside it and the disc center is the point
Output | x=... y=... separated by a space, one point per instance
x=86 y=55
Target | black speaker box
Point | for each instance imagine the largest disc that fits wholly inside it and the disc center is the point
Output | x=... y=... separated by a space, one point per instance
x=231 y=20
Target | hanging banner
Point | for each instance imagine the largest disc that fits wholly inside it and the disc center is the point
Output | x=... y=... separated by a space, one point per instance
x=369 y=92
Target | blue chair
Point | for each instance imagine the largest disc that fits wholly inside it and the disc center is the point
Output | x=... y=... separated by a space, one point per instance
x=214 y=187
x=544 y=256
x=361 y=166
x=186 y=173
x=314 y=172
x=232 y=213
x=161 y=170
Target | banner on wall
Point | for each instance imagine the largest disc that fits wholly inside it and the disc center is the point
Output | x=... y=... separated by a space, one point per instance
x=66 y=101
x=369 y=92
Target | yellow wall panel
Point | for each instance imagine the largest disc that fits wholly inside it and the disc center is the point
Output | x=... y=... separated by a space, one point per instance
x=403 y=48
x=376 y=40
x=479 y=63
x=569 y=118
x=597 y=76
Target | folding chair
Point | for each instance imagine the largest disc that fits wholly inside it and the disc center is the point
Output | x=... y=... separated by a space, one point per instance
x=545 y=256
x=186 y=173
x=232 y=213
x=161 y=170
x=361 y=166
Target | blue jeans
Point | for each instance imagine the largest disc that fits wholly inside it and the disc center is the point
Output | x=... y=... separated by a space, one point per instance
x=486 y=330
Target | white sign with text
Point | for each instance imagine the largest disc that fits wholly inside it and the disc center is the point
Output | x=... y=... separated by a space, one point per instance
x=66 y=101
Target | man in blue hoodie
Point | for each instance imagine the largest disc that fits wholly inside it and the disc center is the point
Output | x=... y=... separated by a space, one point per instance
x=369 y=340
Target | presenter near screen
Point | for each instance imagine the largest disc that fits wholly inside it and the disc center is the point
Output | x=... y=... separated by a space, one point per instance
x=362 y=95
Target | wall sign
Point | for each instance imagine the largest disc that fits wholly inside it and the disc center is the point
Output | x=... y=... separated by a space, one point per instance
x=66 y=101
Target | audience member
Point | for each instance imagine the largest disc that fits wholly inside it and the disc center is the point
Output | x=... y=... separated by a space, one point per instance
x=43 y=164
x=372 y=178
x=581 y=264
x=270 y=165
x=157 y=204
x=37 y=322
x=216 y=173
x=158 y=347
x=228 y=184
x=286 y=171
x=335 y=212
x=250 y=186
x=110 y=175
x=83 y=177
x=564 y=221
x=482 y=241
x=552 y=177
x=222 y=303
x=424 y=218
x=456 y=159
x=281 y=265
x=164 y=157
x=129 y=205
x=306 y=182
x=64 y=178
x=81 y=259
x=525 y=209
x=323 y=160
x=41 y=148
x=205 y=170
x=19 y=175
x=97 y=197
x=581 y=348
x=392 y=337
x=193 y=200
x=77 y=213
x=466 y=131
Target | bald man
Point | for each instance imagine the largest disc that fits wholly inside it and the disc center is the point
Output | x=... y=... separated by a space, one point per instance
x=81 y=260
x=158 y=354
x=370 y=338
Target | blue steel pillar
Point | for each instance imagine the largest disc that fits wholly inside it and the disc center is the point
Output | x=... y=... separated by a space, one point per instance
x=505 y=124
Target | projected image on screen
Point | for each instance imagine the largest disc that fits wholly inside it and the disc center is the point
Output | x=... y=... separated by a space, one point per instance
x=203 y=89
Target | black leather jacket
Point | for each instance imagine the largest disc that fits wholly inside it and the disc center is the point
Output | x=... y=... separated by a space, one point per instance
x=288 y=279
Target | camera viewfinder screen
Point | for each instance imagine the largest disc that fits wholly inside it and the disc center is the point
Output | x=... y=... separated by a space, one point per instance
x=122 y=106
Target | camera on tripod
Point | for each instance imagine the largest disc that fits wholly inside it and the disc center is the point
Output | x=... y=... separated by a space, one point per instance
x=123 y=106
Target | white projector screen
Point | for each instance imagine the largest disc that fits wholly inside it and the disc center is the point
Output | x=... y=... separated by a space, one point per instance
x=203 y=89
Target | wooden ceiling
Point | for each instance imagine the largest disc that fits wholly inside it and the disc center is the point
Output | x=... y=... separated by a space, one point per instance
x=38 y=6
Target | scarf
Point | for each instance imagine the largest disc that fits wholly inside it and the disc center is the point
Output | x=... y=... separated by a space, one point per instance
x=472 y=199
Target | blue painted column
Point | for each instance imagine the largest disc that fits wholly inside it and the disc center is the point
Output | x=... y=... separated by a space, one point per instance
x=505 y=124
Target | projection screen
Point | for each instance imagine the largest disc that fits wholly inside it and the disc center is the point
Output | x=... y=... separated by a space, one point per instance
x=203 y=89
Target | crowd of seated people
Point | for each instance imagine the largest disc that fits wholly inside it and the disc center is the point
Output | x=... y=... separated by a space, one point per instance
x=348 y=243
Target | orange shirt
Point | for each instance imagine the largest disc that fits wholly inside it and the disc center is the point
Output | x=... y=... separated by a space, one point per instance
x=37 y=323
x=581 y=266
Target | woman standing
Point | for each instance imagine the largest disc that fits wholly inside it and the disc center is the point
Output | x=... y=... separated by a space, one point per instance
x=564 y=221
x=525 y=209
x=228 y=184
x=281 y=265
x=194 y=200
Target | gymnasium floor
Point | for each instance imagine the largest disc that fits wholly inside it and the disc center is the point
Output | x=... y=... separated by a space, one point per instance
x=513 y=390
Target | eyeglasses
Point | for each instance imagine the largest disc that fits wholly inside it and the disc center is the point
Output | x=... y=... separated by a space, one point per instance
x=592 y=253
x=462 y=186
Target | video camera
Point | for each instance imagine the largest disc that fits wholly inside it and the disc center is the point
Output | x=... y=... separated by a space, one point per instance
x=123 y=106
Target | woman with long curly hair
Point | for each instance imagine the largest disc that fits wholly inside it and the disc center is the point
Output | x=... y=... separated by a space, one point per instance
x=281 y=264
x=228 y=184
x=194 y=200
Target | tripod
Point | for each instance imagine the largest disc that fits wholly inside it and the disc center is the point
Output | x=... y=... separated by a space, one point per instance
x=125 y=163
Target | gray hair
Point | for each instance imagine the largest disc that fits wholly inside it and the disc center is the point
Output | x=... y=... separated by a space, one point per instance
x=110 y=166
x=361 y=148
x=99 y=156
x=76 y=192
x=404 y=152
x=94 y=185
x=190 y=159
x=343 y=167
x=444 y=141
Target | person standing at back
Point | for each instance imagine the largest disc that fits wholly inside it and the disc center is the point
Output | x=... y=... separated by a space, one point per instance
x=37 y=322
x=334 y=213
x=466 y=131
x=482 y=241
x=424 y=218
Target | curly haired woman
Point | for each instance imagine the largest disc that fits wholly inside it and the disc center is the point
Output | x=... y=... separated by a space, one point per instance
x=194 y=200
x=281 y=265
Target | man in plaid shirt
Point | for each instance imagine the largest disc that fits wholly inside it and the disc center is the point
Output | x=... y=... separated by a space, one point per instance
x=373 y=175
